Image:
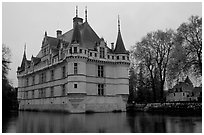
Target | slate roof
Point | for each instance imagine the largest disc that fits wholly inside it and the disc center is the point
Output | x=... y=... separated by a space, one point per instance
x=119 y=47
x=53 y=42
x=36 y=60
x=88 y=38
x=188 y=81
x=23 y=61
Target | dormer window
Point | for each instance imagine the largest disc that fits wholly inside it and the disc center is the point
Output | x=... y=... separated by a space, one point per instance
x=102 y=52
x=75 y=49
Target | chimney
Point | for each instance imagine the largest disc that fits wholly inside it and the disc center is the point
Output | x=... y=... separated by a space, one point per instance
x=112 y=46
x=77 y=20
x=59 y=33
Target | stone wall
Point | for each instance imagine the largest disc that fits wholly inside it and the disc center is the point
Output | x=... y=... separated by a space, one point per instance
x=76 y=103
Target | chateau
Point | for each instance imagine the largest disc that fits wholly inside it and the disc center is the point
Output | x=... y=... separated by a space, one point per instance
x=75 y=72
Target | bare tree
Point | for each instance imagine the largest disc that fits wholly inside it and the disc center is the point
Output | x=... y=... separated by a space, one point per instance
x=154 y=52
x=190 y=35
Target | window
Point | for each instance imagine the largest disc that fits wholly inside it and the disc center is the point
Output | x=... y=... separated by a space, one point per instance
x=40 y=78
x=174 y=94
x=52 y=75
x=180 y=89
x=63 y=72
x=95 y=54
x=52 y=92
x=117 y=57
x=100 y=71
x=183 y=94
x=75 y=49
x=26 y=95
x=80 y=50
x=44 y=92
x=100 y=89
x=63 y=90
x=44 y=77
x=33 y=92
x=75 y=85
x=123 y=57
x=75 y=68
x=108 y=56
x=91 y=54
x=33 y=80
x=85 y=51
x=102 y=52
x=27 y=81
x=113 y=57
x=39 y=93
x=127 y=57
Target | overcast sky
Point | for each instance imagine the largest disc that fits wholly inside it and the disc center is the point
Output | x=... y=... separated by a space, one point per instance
x=27 y=22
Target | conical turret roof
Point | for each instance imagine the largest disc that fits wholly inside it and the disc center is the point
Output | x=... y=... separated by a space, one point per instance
x=23 y=62
x=119 y=47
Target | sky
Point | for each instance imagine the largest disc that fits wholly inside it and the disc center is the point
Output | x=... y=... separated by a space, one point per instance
x=26 y=23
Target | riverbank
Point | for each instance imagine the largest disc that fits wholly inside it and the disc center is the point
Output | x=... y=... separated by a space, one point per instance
x=172 y=108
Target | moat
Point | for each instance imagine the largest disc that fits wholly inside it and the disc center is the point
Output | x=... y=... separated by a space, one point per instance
x=139 y=122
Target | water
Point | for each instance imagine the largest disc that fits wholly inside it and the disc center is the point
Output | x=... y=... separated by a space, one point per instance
x=44 y=122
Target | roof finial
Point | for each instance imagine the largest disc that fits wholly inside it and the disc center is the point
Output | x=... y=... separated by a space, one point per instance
x=25 y=48
x=45 y=33
x=86 y=13
x=76 y=11
x=24 y=54
x=118 y=23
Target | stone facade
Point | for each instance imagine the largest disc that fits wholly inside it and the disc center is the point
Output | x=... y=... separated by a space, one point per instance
x=75 y=72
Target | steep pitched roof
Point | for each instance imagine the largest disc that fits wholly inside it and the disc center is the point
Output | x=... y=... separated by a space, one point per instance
x=23 y=62
x=119 y=47
x=53 y=42
x=188 y=81
x=87 y=35
x=39 y=55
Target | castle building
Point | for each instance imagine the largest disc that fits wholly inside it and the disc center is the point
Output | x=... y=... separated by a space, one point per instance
x=184 y=91
x=75 y=72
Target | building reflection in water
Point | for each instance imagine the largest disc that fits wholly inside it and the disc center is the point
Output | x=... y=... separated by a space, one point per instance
x=41 y=122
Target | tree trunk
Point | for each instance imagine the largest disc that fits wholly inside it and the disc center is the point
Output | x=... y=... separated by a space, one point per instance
x=162 y=91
